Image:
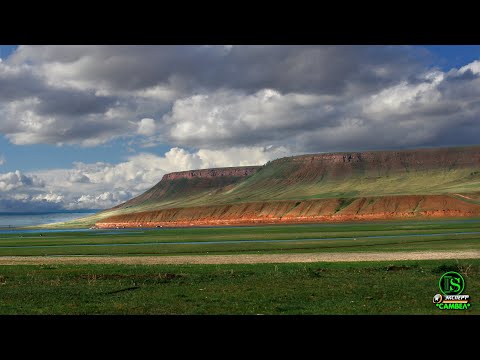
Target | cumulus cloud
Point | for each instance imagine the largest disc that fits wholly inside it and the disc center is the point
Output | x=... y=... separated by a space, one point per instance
x=25 y=122
x=227 y=117
x=50 y=197
x=141 y=171
x=20 y=191
x=434 y=108
x=251 y=68
x=146 y=127
x=15 y=180
x=34 y=111
x=101 y=201
x=78 y=177
x=241 y=156
x=90 y=95
x=219 y=106
x=474 y=67
x=102 y=185
x=308 y=98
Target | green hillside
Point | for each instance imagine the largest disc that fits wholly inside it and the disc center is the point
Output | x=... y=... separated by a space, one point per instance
x=454 y=171
x=414 y=172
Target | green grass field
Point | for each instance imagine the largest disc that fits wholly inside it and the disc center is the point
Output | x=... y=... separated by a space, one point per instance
x=405 y=287
x=396 y=287
x=297 y=238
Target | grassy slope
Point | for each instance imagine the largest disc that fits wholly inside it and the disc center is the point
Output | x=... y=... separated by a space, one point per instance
x=274 y=183
x=286 y=179
x=445 y=171
x=405 y=287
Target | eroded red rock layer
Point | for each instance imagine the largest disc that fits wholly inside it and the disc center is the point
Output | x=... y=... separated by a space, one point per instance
x=306 y=211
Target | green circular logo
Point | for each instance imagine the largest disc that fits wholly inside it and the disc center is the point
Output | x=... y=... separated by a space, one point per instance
x=451 y=283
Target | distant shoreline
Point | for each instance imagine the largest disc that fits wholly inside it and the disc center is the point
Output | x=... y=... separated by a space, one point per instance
x=11 y=213
x=25 y=220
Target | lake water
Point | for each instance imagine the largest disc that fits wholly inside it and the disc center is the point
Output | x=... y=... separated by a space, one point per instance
x=17 y=220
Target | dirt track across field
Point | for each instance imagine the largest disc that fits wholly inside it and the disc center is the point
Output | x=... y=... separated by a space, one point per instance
x=241 y=259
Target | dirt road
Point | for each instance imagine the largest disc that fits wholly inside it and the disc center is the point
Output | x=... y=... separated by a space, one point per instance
x=241 y=259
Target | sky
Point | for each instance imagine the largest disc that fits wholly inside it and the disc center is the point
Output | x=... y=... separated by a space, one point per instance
x=88 y=127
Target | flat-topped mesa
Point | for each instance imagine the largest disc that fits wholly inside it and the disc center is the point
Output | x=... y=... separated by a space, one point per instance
x=239 y=171
x=328 y=175
x=192 y=182
x=416 y=158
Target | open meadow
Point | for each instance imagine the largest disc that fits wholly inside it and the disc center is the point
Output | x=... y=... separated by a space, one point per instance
x=405 y=287
x=53 y=279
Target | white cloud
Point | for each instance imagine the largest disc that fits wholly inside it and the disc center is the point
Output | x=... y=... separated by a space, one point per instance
x=474 y=67
x=2 y=159
x=103 y=185
x=49 y=197
x=401 y=98
x=230 y=116
x=15 y=180
x=146 y=127
x=158 y=93
x=241 y=156
x=28 y=127
x=104 y=200
x=78 y=177
x=141 y=171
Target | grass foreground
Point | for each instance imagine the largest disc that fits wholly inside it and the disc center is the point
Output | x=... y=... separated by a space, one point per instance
x=401 y=287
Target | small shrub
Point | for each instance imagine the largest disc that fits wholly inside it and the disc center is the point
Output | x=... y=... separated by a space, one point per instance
x=445 y=268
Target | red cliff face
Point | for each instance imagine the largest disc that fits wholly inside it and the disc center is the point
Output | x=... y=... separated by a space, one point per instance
x=211 y=173
x=306 y=211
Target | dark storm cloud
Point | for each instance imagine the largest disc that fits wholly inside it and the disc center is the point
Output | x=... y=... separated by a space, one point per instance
x=18 y=85
x=73 y=103
x=314 y=69
x=465 y=133
x=319 y=69
x=93 y=129
x=460 y=85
